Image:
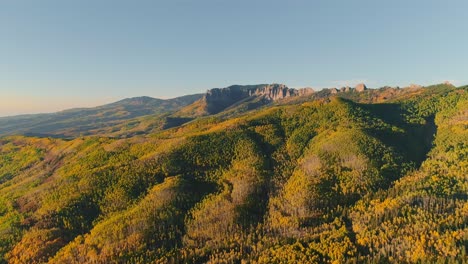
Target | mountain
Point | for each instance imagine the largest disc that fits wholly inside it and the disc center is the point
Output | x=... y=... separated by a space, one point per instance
x=142 y=115
x=334 y=176
x=147 y=114
x=250 y=96
x=86 y=121
x=218 y=100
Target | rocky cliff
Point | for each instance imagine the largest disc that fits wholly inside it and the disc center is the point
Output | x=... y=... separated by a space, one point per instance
x=218 y=99
x=359 y=88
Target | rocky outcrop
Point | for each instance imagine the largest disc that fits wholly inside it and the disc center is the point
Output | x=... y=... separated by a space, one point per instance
x=345 y=89
x=275 y=92
x=218 y=99
x=360 y=87
x=305 y=91
x=269 y=91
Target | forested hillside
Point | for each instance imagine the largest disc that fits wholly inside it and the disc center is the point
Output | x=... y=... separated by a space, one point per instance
x=378 y=176
x=104 y=119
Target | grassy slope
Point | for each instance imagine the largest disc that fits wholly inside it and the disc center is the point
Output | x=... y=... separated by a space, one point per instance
x=86 y=121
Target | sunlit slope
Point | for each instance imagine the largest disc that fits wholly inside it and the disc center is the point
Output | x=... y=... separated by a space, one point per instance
x=91 y=121
x=323 y=180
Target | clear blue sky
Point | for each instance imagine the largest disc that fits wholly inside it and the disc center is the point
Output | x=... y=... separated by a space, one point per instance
x=63 y=53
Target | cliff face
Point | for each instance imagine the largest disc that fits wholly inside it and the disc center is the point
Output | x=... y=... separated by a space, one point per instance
x=279 y=91
x=218 y=99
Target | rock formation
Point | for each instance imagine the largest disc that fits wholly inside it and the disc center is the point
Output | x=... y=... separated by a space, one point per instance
x=333 y=90
x=346 y=89
x=219 y=98
x=271 y=92
x=361 y=87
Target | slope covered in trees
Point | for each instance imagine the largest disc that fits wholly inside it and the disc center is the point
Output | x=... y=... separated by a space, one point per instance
x=348 y=178
x=91 y=121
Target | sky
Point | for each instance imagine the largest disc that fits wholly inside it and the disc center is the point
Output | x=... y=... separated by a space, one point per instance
x=59 y=54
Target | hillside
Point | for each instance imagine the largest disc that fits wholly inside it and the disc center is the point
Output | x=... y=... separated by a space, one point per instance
x=335 y=176
x=87 y=121
x=143 y=115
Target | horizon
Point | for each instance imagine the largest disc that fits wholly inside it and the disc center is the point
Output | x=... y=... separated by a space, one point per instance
x=62 y=55
x=316 y=89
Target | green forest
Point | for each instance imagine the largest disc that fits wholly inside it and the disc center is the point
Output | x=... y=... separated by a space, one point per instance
x=379 y=176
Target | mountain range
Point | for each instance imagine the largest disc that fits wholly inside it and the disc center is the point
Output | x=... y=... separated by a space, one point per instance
x=243 y=174
x=115 y=118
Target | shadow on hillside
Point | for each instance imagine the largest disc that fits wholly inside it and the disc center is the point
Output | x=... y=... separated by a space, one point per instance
x=171 y=122
x=414 y=142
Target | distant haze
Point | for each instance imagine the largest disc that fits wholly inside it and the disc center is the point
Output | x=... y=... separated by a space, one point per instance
x=57 y=54
x=18 y=105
